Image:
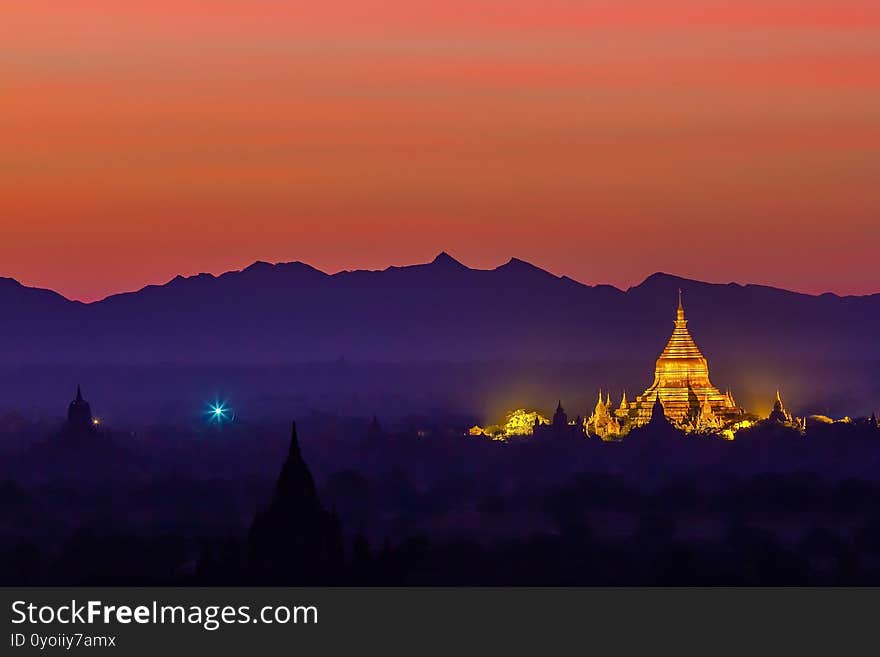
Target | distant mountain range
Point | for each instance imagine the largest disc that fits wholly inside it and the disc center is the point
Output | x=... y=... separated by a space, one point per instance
x=439 y=311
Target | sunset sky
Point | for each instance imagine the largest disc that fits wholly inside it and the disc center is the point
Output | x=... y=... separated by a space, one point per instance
x=604 y=140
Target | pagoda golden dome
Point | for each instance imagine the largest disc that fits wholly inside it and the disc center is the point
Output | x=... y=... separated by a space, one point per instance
x=681 y=379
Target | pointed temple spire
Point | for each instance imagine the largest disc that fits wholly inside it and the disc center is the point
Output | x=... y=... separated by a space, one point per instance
x=681 y=378
x=779 y=412
x=658 y=414
x=295 y=490
x=707 y=406
x=293 y=452
x=295 y=540
x=560 y=419
x=681 y=344
x=79 y=415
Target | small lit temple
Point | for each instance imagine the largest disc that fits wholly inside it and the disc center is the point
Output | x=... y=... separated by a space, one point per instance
x=780 y=415
x=681 y=385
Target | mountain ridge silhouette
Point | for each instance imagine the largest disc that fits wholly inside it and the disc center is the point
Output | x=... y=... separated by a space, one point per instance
x=440 y=310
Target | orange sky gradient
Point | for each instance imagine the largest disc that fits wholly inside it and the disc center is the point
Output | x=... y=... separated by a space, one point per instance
x=602 y=140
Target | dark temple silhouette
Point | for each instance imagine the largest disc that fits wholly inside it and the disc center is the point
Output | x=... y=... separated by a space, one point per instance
x=295 y=540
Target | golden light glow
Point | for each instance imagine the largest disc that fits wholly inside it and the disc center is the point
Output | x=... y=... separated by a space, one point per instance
x=681 y=380
x=681 y=395
x=734 y=428
x=518 y=423
x=824 y=419
x=522 y=423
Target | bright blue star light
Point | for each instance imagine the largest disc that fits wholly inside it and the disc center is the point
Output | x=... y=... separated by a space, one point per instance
x=219 y=413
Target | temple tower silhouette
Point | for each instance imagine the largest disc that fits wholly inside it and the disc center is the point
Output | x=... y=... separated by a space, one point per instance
x=79 y=415
x=295 y=540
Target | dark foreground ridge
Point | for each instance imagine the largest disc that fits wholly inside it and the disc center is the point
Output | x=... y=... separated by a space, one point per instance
x=433 y=507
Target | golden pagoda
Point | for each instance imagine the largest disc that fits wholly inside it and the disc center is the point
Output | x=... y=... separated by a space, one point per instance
x=681 y=382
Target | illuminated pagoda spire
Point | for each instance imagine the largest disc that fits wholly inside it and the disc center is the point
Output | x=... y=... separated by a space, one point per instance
x=600 y=405
x=779 y=413
x=731 y=402
x=707 y=418
x=681 y=344
x=681 y=379
x=707 y=407
x=602 y=423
